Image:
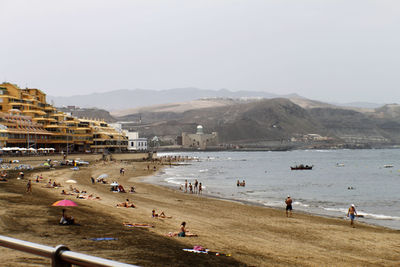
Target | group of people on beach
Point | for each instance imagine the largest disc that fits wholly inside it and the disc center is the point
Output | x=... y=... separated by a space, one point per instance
x=351 y=213
x=195 y=188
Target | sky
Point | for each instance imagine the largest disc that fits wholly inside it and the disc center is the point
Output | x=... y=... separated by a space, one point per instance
x=333 y=51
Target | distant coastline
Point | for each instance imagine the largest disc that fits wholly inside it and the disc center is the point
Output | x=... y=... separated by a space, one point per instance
x=275 y=148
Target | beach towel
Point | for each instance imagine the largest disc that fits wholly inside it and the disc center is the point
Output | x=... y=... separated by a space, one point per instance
x=195 y=251
x=103 y=238
x=145 y=225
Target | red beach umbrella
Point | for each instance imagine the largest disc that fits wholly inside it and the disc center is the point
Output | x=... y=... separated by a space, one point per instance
x=65 y=203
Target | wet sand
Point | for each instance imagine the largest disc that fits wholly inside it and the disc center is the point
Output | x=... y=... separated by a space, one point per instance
x=254 y=236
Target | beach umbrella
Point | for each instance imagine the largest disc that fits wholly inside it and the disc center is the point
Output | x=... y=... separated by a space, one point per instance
x=71 y=181
x=103 y=176
x=114 y=184
x=65 y=203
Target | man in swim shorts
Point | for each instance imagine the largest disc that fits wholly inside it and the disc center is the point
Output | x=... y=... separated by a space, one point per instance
x=352 y=214
x=289 y=208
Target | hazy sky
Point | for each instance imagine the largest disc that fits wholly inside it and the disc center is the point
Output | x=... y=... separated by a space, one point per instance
x=327 y=50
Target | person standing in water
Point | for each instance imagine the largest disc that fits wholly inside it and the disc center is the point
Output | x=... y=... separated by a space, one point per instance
x=352 y=214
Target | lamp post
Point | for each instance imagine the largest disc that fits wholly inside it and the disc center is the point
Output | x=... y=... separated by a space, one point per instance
x=67 y=142
x=27 y=146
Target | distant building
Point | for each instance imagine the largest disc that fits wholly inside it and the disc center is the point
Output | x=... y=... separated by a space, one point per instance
x=28 y=121
x=199 y=139
x=135 y=143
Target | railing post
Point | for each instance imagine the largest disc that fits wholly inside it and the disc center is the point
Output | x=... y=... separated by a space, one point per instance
x=56 y=260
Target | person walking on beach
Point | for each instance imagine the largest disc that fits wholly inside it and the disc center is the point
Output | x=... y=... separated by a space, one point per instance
x=29 y=186
x=200 y=188
x=196 y=184
x=186 y=186
x=352 y=214
x=289 y=208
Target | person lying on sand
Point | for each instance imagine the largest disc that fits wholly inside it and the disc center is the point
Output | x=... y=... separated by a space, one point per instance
x=65 y=193
x=183 y=232
x=126 y=204
x=161 y=215
x=55 y=184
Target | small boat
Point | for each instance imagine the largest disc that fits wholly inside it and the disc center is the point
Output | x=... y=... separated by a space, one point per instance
x=388 y=166
x=301 y=167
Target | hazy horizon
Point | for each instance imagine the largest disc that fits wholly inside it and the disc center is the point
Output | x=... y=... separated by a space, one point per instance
x=331 y=51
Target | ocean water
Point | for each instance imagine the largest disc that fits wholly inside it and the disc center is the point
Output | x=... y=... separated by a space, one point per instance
x=324 y=190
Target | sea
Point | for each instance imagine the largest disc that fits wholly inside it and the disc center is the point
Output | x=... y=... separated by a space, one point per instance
x=368 y=178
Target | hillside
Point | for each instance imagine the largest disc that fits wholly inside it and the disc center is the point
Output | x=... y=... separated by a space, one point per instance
x=262 y=120
x=129 y=99
x=91 y=113
x=272 y=121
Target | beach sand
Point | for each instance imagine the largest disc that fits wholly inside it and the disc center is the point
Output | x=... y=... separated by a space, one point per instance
x=253 y=235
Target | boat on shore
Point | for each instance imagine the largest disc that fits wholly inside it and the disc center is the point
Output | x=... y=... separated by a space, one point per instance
x=302 y=167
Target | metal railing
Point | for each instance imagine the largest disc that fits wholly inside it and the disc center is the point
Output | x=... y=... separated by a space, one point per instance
x=60 y=256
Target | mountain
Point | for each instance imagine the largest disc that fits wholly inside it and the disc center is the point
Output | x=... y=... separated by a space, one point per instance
x=127 y=99
x=263 y=122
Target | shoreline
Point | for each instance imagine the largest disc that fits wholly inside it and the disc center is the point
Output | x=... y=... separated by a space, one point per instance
x=276 y=149
x=254 y=235
x=256 y=204
x=332 y=207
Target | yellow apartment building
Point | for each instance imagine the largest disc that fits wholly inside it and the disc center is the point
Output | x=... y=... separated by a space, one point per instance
x=26 y=120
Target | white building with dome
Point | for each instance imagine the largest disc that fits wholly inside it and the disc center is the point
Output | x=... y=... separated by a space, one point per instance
x=200 y=139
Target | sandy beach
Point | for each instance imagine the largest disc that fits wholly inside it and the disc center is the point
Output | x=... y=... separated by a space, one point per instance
x=252 y=235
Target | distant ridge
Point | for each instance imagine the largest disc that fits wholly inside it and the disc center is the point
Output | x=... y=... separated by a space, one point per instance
x=128 y=99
